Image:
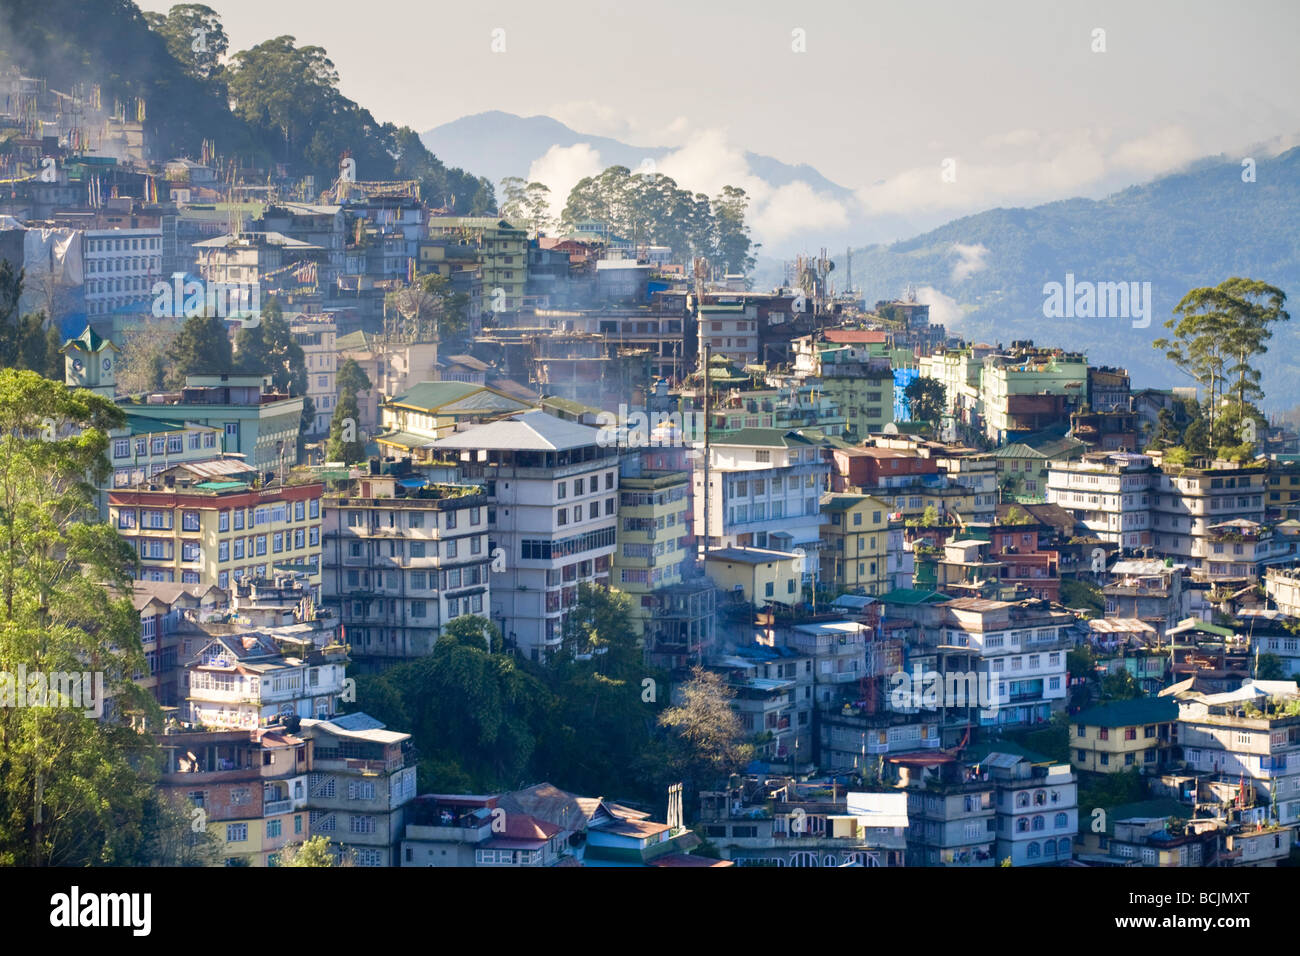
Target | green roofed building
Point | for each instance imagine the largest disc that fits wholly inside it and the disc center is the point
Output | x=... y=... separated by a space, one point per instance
x=1123 y=734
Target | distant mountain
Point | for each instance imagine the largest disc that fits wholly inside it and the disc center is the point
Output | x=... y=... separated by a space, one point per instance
x=1189 y=229
x=497 y=144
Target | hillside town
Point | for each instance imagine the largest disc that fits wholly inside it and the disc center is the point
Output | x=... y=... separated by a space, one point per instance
x=952 y=603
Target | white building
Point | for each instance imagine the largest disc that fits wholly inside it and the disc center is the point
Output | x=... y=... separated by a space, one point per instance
x=1110 y=493
x=241 y=679
x=121 y=267
x=765 y=488
x=552 y=490
x=1037 y=810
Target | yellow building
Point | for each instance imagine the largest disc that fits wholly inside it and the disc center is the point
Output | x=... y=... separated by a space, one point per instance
x=502 y=252
x=651 y=538
x=855 y=543
x=760 y=576
x=1122 y=735
x=217 y=522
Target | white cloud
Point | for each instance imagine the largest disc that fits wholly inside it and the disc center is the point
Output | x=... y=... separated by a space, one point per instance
x=561 y=167
x=795 y=208
x=944 y=309
x=1023 y=167
x=970 y=260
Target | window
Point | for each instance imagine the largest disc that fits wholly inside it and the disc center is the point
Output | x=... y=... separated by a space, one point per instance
x=272 y=829
x=236 y=832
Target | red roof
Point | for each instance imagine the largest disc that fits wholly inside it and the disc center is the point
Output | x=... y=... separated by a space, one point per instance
x=854 y=336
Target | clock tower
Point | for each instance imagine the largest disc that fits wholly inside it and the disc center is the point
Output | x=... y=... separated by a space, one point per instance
x=90 y=361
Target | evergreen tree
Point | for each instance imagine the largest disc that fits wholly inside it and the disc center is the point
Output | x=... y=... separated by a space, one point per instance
x=202 y=347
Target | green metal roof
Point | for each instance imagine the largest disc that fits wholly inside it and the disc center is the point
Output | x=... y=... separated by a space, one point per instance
x=1016 y=450
x=221 y=485
x=1129 y=713
x=144 y=425
x=768 y=437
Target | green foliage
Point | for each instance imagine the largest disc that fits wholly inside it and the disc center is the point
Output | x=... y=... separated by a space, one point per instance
x=1016 y=516
x=526 y=205
x=929 y=517
x=1216 y=333
x=314 y=851
x=343 y=425
x=1269 y=667
x=650 y=208
x=1121 y=685
x=177 y=28
x=74 y=791
x=202 y=347
x=1108 y=790
x=25 y=340
x=1081 y=594
x=1079 y=662
x=925 y=398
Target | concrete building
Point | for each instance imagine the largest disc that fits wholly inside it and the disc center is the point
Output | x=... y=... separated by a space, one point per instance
x=855 y=544
x=316 y=335
x=217 y=523
x=1119 y=736
x=552 y=505
x=121 y=267
x=401 y=559
x=242 y=678
x=762 y=480
x=1110 y=494
x=1037 y=810
x=256 y=423
x=362 y=779
x=251 y=786
x=950 y=813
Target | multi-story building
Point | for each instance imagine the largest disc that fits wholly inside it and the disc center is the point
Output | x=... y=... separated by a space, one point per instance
x=653 y=533
x=316 y=334
x=855 y=543
x=415 y=419
x=729 y=330
x=778 y=822
x=362 y=780
x=856 y=376
x=503 y=258
x=1122 y=735
x=761 y=479
x=1109 y=493
x=1020 y=648
x=1248 y=740
x=241 y=678
x=1037 y=810
x=951 y=820
x=1150 y=590
x=255 y=422
x=552 y=504
x=1188 y=504
x=1283 y=587
x=166 y=614
x=121 y=267
x=248 y=788
x=1028 y=389
x=216 y=523
x=773 y=702
x=402 y=559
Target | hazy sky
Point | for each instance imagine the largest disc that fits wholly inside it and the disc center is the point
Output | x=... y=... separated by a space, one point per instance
x=883 y=95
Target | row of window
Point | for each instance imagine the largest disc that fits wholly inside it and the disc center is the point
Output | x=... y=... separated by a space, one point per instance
x=173 y=444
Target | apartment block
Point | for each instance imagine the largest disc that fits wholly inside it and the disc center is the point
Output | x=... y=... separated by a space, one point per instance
x=1122 y=735
x=362 y=779
x=401 y=559
x=1037 y=810
x=217 y=523
x=553 y=497
x=250 y=785
x=1110 y=494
